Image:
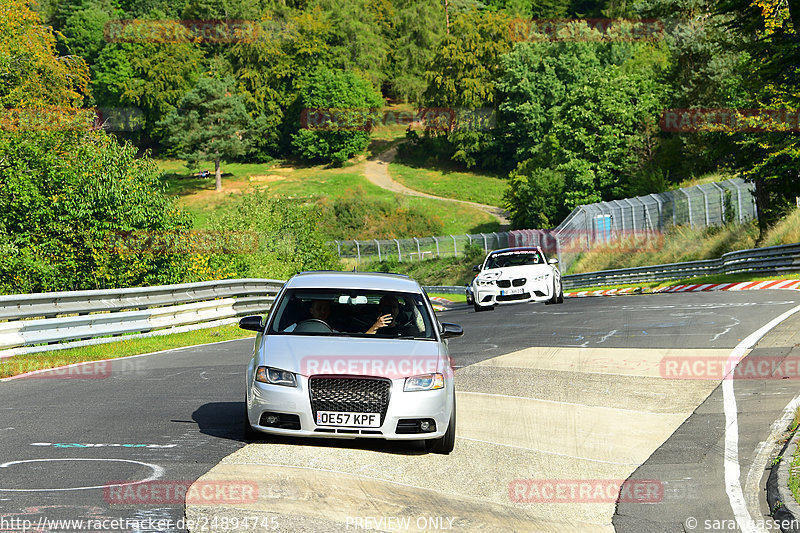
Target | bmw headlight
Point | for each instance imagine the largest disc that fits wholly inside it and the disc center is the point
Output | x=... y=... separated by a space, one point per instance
x=540 y=277
x=424 y=382
x=488 y=278
x=275 y=376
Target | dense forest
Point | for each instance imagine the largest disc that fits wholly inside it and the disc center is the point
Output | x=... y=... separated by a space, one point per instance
x=576 y=91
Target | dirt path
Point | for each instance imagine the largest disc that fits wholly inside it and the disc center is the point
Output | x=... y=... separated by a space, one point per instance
x=376 y=170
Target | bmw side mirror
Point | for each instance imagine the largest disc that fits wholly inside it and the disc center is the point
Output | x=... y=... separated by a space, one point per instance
x=476 y=268
x=451 y=330
x=252 y=323
x=553 y=261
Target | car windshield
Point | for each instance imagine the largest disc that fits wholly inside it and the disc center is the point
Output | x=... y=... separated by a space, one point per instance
x=511 y=259
x=354 y=313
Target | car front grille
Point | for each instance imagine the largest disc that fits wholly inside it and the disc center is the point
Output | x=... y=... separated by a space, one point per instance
x=350 y=395
x=506 y=283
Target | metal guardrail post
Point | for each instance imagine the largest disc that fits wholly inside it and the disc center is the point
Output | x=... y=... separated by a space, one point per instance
x=358 y=250
x=689 y=199
x=437 y=246
x=399 y=255
x=721 y=201
x=338 y=249
x=485 y=244
x=455 y=246
x=705 y=202
x=419 y=252
x=739 y=200
x=660 y=216
x=633 y=215
x=379 y=249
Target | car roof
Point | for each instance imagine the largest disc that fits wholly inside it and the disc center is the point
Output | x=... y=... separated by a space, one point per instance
x=520 y=249
x=353 y=280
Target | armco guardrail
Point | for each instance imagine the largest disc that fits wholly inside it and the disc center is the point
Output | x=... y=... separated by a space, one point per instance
x=44 y=321
x=770 y=260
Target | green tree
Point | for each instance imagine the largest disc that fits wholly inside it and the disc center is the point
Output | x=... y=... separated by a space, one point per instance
x=32 y=73
x=769 y=33
x=149 y=74
x=83 y=31
x=345 y=102
x=418 y=29
x=535 y=196
x=268 y=68
x=210 y=123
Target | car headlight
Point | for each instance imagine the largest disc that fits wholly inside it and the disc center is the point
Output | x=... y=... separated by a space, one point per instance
x=540 y=277
x=275 y=376
x=488 y=278
x=424 y=382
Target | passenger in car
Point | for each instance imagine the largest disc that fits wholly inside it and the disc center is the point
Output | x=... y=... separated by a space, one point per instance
x=389 y=310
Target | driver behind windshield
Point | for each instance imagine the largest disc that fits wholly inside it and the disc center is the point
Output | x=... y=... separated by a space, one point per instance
x=319 y=309
x=389 y=309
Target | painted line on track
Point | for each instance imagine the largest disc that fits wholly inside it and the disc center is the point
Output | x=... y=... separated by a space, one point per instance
x=733 y=486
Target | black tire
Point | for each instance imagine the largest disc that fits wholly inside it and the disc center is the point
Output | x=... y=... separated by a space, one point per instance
x=560 y=299
x=554 y=298
x=478 y=308
x=447 y=442
x=250 y=434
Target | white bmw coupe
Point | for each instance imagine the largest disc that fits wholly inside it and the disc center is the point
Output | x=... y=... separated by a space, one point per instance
x=513 y=275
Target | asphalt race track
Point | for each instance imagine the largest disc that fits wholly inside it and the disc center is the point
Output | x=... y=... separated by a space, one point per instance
x=573 y=417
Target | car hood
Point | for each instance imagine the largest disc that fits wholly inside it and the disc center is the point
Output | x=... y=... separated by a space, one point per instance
x=517 y=271
x=379 y=357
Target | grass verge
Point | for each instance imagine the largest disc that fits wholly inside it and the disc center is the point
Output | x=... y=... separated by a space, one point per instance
x=794 y=466
x=112 y=350
x=467 y=186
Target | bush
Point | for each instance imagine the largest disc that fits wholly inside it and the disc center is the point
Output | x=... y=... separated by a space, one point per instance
x=64 y=197
x=286 y=235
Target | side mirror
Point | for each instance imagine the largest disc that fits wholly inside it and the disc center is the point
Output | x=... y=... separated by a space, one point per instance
x=252 y=323
x=451 y=330
x=476 y=268
x=553 y=261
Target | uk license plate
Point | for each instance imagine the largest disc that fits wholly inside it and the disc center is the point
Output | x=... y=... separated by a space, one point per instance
x=508 y=292
x=356 y=420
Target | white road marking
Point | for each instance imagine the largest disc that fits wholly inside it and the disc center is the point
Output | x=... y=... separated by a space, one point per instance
x=733 y=486
x=606 y=337
x=157 y=473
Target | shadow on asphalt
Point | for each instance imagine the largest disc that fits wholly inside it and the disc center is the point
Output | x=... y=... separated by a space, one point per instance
x=225 y=420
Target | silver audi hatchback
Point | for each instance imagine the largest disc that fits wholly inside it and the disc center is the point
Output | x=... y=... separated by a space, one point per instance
x=352 y=355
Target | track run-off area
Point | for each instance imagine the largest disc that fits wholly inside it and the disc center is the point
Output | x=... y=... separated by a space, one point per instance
x=600 y=414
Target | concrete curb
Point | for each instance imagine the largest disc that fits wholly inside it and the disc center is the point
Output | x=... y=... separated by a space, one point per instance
x=785 y=510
